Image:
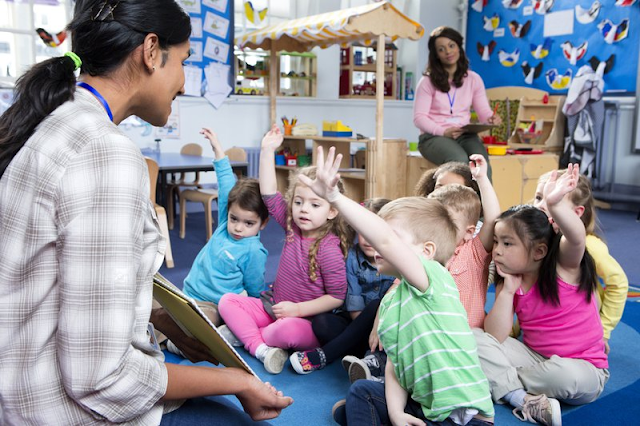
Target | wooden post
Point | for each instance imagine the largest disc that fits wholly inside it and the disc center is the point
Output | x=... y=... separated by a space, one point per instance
x=375 y=160
x=274 y=71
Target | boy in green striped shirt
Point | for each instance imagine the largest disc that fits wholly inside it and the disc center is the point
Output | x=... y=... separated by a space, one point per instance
x=433 y=374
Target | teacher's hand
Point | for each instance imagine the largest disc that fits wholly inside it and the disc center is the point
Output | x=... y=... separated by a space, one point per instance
x=495 y=119
x=453 y=132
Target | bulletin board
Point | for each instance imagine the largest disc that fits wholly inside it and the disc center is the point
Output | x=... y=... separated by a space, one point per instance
x=543 y=43
x=211 y=62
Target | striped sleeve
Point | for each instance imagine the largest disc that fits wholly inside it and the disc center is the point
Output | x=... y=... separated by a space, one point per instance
x=277 y=207
x=332 y=267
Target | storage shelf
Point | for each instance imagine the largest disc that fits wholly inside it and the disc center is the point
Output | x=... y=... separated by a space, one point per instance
x=365 y=68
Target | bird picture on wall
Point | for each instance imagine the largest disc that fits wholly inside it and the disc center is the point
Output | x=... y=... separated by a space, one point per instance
x=574 y=54
x=491 y=22
x=531 y=73
x=541 y=7
x=605 y=66
x=587 y=16
x=485 y=51
x=509 y=59
x=512 y=4
x=519 y=30
x=625 y=3
x=613 y=33
x=51 y=40
x=540 y=51
x=559 y=81
x=254 y=16
x=478 y=5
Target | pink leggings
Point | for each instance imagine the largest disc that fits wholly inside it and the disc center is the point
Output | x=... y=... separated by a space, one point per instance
x=247 y=319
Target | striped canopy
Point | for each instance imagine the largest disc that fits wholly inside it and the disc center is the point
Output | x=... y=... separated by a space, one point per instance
x=362 y=24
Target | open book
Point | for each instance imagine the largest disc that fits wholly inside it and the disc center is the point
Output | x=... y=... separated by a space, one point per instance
x=195 y=323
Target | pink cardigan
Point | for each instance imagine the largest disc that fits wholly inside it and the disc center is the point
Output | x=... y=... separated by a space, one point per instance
x=432 y=108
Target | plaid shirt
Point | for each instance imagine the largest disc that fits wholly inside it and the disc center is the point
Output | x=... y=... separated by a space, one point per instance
x=78 y=247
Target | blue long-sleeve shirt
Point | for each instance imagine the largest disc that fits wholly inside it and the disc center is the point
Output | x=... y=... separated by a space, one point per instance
x=225 y=265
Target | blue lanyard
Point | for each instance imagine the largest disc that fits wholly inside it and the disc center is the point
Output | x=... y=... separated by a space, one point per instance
x=452 y=100
x=97 y=94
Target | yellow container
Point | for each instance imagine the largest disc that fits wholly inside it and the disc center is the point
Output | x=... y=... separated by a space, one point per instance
x=497 y=149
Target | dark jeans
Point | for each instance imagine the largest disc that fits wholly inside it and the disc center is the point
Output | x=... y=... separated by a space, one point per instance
x=366 y=405
x=441 y=149
x=339 y=336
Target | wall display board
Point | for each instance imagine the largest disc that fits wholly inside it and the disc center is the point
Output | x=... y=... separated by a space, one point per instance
x=543 y=43
x=209 y=70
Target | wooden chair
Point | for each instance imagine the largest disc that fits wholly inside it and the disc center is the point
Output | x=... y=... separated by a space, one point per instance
x=160 y=212
x=205 y=196
x=173 y=185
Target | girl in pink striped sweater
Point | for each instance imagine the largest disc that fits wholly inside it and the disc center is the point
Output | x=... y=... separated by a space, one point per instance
x=311 y=276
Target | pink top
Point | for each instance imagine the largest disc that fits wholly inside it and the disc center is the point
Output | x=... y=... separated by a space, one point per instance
x=432 y=108
x=292 y=279
x=570 y=330
x=469 y=267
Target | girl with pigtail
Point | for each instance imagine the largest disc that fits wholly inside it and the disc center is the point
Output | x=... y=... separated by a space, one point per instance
x=311 y=277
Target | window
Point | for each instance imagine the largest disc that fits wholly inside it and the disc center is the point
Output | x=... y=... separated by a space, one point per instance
x=20 y=44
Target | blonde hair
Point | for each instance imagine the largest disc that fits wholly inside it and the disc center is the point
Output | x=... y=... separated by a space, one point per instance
x=580 y=196
x=427 y=220
x=459 y=198
x=427 y=183
x=337 y=225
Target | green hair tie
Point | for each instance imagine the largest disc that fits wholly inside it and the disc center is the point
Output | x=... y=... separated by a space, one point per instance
x=75 y=58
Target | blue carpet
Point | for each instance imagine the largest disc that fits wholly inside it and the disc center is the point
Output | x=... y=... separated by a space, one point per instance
x=315 y=394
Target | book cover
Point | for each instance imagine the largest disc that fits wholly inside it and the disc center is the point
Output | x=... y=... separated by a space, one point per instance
x=186 y=313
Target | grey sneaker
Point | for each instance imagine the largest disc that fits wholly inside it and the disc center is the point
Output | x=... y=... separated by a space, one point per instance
x=339 y=412
x=229 y=336
x=540 y=409
x=274 y=360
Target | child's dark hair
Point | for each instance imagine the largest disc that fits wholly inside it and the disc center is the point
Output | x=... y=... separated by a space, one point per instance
x=103 y=34
x=246 y=195
x=427 y=183
x=532 y=226
x=375 y=204
x=337 y=225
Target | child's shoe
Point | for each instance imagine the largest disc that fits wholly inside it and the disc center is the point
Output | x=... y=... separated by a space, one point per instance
x=540 y=409
x=229 y=336
x=369 y=368
x=274 y=359
x=308 y=361
x=339 y=412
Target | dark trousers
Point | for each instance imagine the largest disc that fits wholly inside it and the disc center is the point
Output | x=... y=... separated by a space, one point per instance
x=340 y=336
x=366 y=405
x=441 y=149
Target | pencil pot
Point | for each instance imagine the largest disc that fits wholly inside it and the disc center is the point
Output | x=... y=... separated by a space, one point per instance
x=280 y=160
x=304 y=160
x=287 y=129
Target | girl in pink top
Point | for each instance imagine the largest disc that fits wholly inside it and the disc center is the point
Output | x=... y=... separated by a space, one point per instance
x=443 y=100
x=311 y=277
x=549 y=282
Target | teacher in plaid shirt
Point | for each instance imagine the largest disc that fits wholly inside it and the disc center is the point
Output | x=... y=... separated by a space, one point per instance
x=79 y=241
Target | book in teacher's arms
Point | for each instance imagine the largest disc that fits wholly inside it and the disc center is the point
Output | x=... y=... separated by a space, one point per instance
x=190 y=318
x=478 y=127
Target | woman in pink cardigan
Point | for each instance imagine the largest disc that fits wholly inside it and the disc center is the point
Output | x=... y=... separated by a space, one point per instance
x=444 y=97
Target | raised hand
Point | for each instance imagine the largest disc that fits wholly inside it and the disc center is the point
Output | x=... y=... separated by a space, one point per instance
x=478 y=166
x=213 y=140
x=325 y=184
x=557 y=187
x=273 y=139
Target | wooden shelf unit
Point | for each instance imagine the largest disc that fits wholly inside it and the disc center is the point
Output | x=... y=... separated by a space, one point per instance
x=388 y=181
x=552 y=139
x=351 y=63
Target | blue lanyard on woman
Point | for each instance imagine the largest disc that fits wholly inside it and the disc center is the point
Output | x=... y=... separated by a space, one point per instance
x=452 y=100
x=98 y=96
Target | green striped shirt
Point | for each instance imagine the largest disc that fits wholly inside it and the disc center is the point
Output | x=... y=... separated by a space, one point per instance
x=427 y=337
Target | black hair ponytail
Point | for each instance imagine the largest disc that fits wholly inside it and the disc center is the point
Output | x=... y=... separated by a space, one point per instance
x=45 y=87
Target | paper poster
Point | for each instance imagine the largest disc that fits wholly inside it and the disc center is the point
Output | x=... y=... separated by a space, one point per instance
x=558 y=23
x=192 y=80
x=196 y=27
x=196 y=52
x=217 y=76
x=190 y=6
x=216 y=25
x=217 y=50
x=171 y=130
x=219 y=5
x=6 y=99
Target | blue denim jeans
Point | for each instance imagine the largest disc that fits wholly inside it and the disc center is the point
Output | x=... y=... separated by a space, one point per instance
x=366 y=405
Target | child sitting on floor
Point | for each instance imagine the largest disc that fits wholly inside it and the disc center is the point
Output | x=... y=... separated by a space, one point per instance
x=613 y=296
x=445 y=174
x=348 y=331
x=433 y=372
x=234 y=259
x=311 y=277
